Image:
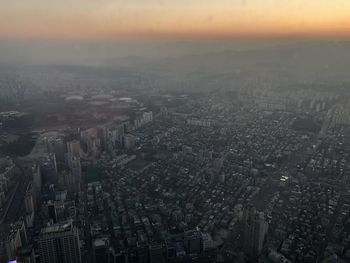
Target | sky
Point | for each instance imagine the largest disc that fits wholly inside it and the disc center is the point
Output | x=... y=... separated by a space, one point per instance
x=172 y=19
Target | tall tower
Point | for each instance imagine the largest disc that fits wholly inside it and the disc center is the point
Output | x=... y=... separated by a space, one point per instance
x=100 y=248
x=59 y=243
x=129 y=141
x=192 y=242
x=255 y=227
x=74 y=177
x=36 y=177
x=48 y=168
x=73 y=151
x=56 y=146
x=29 y=205
x=16 y=238
x=37 y=182
x=73 y=148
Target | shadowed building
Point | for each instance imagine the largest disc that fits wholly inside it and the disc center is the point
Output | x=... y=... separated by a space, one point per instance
x=16 y=238
x=255 y=227
x=59 y=243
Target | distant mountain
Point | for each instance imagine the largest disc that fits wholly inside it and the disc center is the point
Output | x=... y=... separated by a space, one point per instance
x=306 y=62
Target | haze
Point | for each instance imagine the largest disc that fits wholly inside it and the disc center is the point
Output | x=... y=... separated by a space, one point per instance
x=156 y=19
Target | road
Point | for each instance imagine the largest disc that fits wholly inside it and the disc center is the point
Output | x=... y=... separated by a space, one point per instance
x=16 y=204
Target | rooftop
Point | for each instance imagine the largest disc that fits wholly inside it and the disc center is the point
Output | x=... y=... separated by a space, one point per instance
x=57 y=228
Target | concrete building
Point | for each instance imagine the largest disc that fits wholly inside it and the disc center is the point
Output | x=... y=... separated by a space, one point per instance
x=36 y=177
x=90 y=142
x=7 y=172
x=156 y=252
x=100 y=248
x=16 y=238
x=129 y=141
x=73 y=148
x=74 y=183
x=59 y=243
x=48 y=169
x=143 y=119
x=29 y=206
x=255 y=228
x=207 y=242
x=26 y=255
x=56 y=146
x=192 y=242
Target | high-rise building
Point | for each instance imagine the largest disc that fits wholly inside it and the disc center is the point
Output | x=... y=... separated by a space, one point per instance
x=36 y=177
x=129 y=141
x=51 y=210
x=90 y=142
x=36 y=171
x=16 y=238
x=59 y=243
x=76 y=169
x=25 y=255
x=56 y=146
x=221 y=178
x=255 y=227
x=112 y=135
x=73 y=151
x=102 y=135
x=29 y=205
x=207 y=242
x=156 y=252
x=118 y=256
x=28 y=200
x=171 y=249
x=142 y=119
x=192 y=242
x=218 y=163
x=142 y=253
x=73 y=148
x=74 y=177
x=48 y=167
x=7 y=172
x=111 y=139
x=100 y=248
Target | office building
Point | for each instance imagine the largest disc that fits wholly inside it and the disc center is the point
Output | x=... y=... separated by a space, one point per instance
x=51 y=209
x=36 y=177
x=255 y=227
x=142 y=253
x=26 y=255
x=129 y=141
x=192 y=242
x=59 y=243
x=74 y=177
x=100 y=248
x=73 y=148
x=156 y=252
x=57 y=147
x=29 y=206
x=16 y=238
x=207 y=242
x=48 y=169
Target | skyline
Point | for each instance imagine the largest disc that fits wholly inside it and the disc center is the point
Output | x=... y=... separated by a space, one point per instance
x=157 y=20
x=154 y=131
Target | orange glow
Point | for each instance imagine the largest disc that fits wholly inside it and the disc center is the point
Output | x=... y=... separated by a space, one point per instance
x=202 y=20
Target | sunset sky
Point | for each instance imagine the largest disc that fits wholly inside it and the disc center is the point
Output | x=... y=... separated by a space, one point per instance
x=176 y=19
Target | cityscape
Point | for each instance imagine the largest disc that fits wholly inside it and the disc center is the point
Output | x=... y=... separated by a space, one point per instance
x=163 y=131
x=221 y=177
